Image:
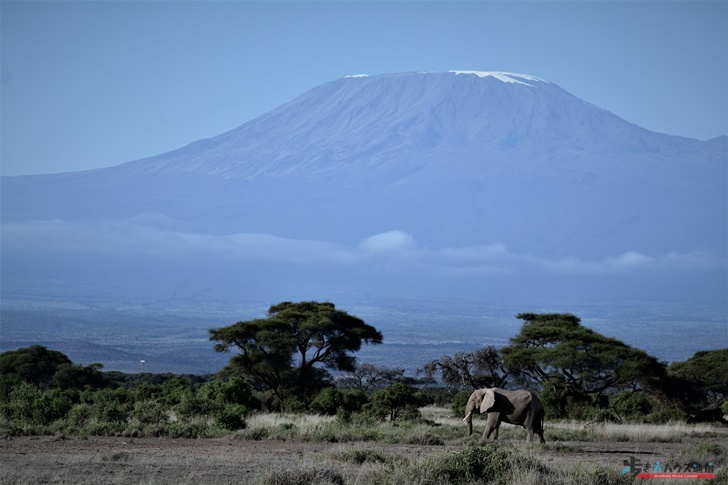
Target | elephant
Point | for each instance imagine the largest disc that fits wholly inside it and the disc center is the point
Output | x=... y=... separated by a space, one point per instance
x=519 y=407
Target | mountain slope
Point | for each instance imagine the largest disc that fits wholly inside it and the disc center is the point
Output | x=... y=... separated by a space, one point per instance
x=372 y=121
x=472 y=172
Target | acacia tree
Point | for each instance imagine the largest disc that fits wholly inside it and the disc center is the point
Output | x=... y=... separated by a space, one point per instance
x=707 y=373
x=320 y=337
x=481 y=368
x=576 y=362
x=35 y=364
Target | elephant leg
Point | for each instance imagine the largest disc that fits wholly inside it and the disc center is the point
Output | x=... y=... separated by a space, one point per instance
x=537 y=427
x=491 y=425
x=533 y=425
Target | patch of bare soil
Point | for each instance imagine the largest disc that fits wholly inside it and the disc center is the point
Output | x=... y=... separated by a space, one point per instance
x=108 y=460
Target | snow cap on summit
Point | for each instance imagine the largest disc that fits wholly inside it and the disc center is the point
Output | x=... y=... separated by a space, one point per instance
x=506 y=77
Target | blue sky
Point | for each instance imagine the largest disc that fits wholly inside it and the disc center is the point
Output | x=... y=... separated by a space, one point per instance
x=95 y=84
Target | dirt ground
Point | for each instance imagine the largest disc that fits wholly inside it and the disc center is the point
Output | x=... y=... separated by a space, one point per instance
x=108 y=460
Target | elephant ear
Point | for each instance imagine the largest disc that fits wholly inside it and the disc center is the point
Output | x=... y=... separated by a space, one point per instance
x=488 y=401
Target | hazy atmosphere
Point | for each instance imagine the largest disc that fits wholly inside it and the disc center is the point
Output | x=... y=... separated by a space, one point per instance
x=345 y=241
x=172 y=166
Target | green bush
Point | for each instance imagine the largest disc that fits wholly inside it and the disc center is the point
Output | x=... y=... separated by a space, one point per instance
x=328 y=401
x=174 y=389
x=79 y=415
x=232 y=391
x=28 y=405
x=487 y=464
x=191 y=405
x=294 y=404
x=354 y=400
x=410 y=413
x=666 y=415
x=104 y=429
x=150 y=412
x=232 y=417
x=633 y=406
x=112 y=412
x=190 y=430
x=459 y=401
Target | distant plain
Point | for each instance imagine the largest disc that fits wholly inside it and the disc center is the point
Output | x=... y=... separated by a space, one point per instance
x=172 y=336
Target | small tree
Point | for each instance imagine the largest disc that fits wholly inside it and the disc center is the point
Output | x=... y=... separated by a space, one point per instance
x=393 y=400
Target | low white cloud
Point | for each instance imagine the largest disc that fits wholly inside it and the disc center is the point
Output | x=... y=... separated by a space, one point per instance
x=630 y=259
x=397 y=248
x=388 y=242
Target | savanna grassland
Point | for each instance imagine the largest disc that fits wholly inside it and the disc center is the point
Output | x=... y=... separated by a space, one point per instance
x=277 y=449
x=293 y=406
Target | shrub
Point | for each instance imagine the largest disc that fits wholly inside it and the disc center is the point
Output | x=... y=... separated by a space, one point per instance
x=410 y=413
x=232 y=417
x=253 y=434
x=459 y=401
x=328 y=401
x=190 y=430
x=487 y=464
x=633 y=405
x=150 y=412
x=425 y=439
x=28 y=405
x=294 y=404
x=233 y=391
x=174 y=389
x=303 y=477
x=112 y=412
x=359 y=457
x=666 y=415
x=190 y=405
x=354 y=400
x=79 y=415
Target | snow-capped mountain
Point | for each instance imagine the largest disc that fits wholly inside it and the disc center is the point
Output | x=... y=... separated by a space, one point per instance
x=463 y=173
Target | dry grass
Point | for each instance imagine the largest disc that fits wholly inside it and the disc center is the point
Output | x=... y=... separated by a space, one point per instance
x=292 y=448
x=303 y=422
x=638 y=432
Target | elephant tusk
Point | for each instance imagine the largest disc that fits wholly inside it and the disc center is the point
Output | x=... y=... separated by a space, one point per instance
x=465 y=419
